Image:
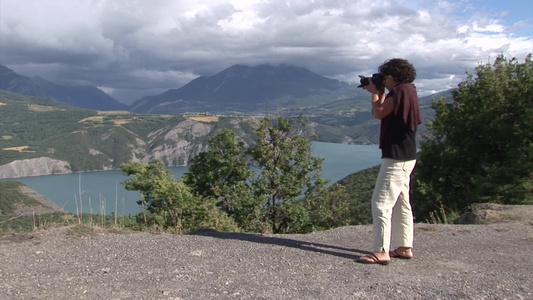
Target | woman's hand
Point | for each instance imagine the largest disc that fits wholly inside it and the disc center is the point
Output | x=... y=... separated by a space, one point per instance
x=371 y=87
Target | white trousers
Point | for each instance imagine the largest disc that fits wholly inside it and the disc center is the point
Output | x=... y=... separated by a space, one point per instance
x=391 y=211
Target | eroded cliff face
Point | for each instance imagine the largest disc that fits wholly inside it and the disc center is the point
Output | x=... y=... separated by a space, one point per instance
x=174 y=145
x=178 y=145
x=34 y=167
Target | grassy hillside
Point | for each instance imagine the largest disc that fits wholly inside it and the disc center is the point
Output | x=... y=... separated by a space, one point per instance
x=350 y=121
x=10 y=197
x=88 y=139
x=21 y=212
x=359 y=187
x=27 y=120
x=33 y=126
x=93 y=140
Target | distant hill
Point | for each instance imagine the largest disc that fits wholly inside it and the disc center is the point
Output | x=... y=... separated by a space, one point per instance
x=79 y=96
x=359 y=188
x=59 y=138
x=17 y=199
x=240 y=88
x=339 y=112
x=41 y=136
x=13 y=82
x=350 y=121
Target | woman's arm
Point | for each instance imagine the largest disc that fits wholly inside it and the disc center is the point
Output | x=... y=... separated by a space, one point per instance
x=382 y=106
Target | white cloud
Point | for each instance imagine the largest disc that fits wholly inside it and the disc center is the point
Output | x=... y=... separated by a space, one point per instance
x=107 y=90
x=136 y=48
x=491 y=27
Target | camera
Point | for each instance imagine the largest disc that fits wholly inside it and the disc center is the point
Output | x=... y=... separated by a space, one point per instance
x=377 y=79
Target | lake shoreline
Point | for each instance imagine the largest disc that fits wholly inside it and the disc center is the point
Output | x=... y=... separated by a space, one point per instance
x=105 y=185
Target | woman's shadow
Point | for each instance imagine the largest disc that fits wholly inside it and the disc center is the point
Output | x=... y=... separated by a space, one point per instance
x=281 y=241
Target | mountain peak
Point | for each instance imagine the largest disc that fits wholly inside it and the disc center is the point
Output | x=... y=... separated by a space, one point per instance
x=244 y=88
x=12 y=82
x=267 y=70
x=80 y=96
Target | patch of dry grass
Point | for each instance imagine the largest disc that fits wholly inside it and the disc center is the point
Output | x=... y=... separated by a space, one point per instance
x=19 y=149
x=81 y=230
x=104 y=115
x=426 y=228
x=99 y=119
x=114 y=112
x=504 y=217
x=36 y=107
x=121 y=121
x=208 y=119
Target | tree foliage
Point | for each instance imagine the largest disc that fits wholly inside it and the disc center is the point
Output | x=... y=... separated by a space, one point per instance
x=221 y=171
x=359 y=188
x=329 y=208
x=272 y=186
x=287 y=170
x=168 y=202
x=282 y=192
x=481 y=149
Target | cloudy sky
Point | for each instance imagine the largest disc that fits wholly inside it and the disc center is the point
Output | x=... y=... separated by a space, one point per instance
x=134 y=48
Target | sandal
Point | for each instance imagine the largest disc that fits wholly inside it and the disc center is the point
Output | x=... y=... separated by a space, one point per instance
x=372 y=259
x=396 y=254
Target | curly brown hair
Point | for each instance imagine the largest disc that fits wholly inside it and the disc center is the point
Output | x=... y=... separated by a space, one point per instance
x=400 y=69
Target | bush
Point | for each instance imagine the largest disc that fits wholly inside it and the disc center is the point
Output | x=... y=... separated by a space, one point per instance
x=481 y=149
x=168 y=202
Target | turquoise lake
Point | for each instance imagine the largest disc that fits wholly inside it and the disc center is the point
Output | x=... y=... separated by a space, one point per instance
x=103 y=189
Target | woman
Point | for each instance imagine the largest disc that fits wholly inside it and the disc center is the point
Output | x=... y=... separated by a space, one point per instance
x=399 y=114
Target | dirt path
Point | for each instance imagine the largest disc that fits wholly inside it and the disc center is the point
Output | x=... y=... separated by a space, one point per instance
x=452 y=262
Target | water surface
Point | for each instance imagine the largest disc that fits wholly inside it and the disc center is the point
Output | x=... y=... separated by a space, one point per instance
x=103 y=190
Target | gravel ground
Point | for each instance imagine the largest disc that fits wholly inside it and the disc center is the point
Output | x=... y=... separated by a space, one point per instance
x=451 y=262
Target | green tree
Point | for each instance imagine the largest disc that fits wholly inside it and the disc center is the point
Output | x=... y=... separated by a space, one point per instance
x=221 y=172
x=481 y=149
x=329 y=208
x=288 y=170
x=285 y=194
x=169 y=203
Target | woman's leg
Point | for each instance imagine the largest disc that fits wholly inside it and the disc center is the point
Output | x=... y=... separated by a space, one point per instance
x=402 y=216
x=390 y=184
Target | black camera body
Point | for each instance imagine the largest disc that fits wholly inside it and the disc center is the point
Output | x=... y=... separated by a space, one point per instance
x=377 y=79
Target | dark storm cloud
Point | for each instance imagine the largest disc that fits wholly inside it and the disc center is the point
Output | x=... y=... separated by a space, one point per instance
x=137 y=48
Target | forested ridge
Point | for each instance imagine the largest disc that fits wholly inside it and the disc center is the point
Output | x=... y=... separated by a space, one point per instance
x=33 y=127
x=87 y=139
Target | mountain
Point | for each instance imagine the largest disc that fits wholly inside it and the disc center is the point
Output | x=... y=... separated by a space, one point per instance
x=79 y=96
x=13 y=82
x=42 y=136
x=243 y=88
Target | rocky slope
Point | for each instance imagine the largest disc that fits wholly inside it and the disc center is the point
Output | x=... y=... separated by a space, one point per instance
x=98 y=149
x=34 y=167
x=44 y=205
